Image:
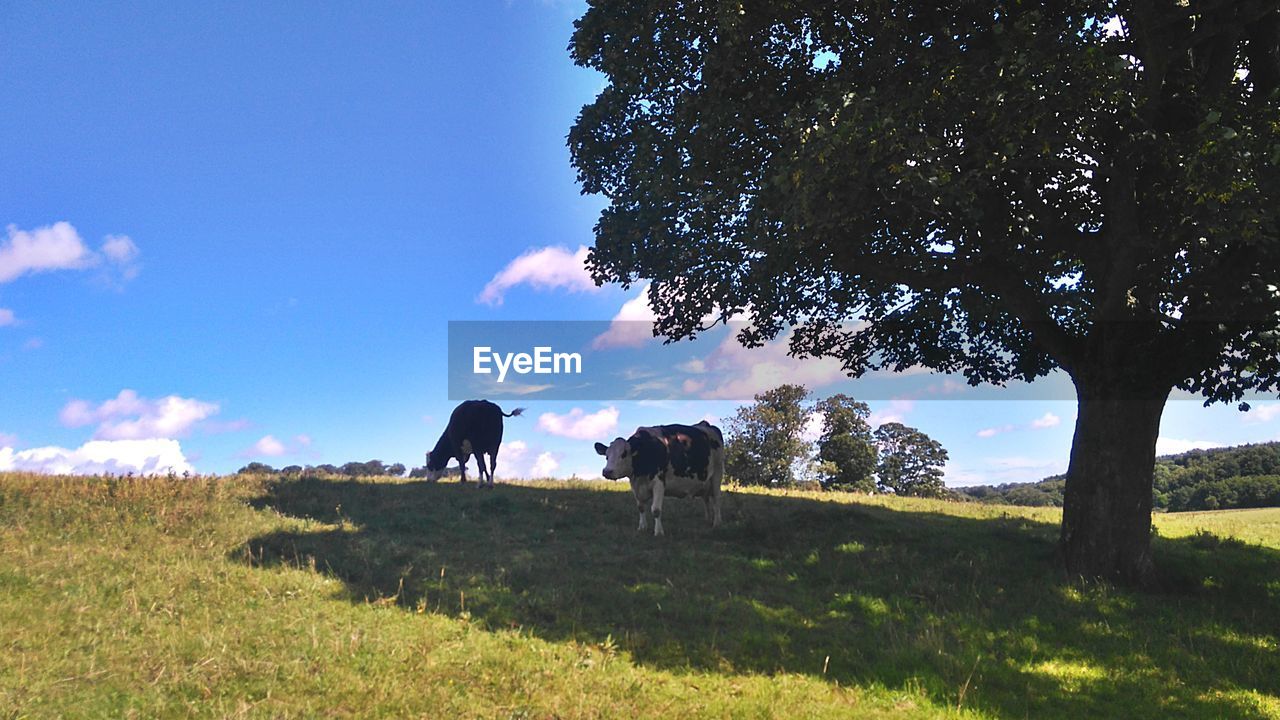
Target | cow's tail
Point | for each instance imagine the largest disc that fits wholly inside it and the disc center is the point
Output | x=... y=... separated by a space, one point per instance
x=513 y=413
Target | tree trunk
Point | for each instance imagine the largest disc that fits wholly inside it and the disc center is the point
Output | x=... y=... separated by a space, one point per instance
x=1106 y=514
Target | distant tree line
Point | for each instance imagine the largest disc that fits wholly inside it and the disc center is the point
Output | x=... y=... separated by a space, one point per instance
x=1244 y=476
x=765 y=444
x=351 y=469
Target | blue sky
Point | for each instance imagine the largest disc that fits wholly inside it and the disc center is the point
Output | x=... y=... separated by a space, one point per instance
x=239 y=232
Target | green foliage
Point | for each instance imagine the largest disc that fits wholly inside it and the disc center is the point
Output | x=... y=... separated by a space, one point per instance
x=334 y=597
x=1045 y=493
x=846 y=444
x=256 y=468
x=763 y=441
x=1246 y=476
x=911 y=462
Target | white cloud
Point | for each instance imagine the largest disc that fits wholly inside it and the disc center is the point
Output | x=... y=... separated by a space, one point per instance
x=895 y=412
x=696 y=366
x=514 y=451
x=7 y=440
x=812 y=427
x=632 y=327
x=1047 y=420
x=1173 y=446
x=545 y=466
x=743 y=372
x=580 y=425
x=994 y=431
x=1264 y=412
x=119 y=249
x=130 y=417
x=6 y=317
x=548 y=268
x=122 y=254
x=269 y=446
x=54 y=247
x=145 y=457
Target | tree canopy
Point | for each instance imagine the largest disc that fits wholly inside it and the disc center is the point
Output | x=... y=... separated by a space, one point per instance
x=846 y=443
x=993 y=188
x=763 y=441
x=911 y=462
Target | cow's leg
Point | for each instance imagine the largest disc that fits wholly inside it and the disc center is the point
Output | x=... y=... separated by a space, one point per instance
x=642 y=504
x=659 y=489
x=480 y=469
x=493 y=465
x=462 y=469
x=715 y=506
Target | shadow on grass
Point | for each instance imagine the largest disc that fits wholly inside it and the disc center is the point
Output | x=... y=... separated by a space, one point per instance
x=971 y=610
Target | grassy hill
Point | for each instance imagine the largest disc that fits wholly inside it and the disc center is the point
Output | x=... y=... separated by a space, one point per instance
x=259 y=597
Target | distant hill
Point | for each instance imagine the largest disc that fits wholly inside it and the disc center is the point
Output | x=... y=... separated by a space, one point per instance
x=1243 y=476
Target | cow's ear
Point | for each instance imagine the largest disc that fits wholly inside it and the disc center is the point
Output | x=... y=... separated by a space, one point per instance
x=601 y=449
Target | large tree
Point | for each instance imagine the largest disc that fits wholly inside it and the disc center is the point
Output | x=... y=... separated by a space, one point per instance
x=764 y=440
x=994 y=188
x=910 y=461
x=846 y=443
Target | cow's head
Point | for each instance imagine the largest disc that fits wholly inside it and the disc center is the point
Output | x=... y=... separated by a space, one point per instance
x=434 y=474
x=617 y=459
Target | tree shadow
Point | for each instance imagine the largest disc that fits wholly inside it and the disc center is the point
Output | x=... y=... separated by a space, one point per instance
x=971 y=610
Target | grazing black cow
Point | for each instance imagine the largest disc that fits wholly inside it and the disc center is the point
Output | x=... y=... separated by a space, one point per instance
x=675 y=460
x=475 y=428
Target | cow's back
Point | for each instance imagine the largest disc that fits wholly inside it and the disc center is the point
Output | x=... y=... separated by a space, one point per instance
x=478 y=423
x=690 y=458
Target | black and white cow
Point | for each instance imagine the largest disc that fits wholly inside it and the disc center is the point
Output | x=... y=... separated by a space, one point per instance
x=475 y=428
x=676 y=460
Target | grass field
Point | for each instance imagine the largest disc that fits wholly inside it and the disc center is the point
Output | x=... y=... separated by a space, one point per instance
x=246 y=597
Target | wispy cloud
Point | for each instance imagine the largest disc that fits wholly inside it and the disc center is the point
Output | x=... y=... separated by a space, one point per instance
x=1048 y=420
x=6 y=317
x=1260 y=413
x=1173 y=446
x=895 y=411
x=270 y=446
x=131 y=417
x=994 y=431
x=547 y=268
x=579 y=424
x=741 y=372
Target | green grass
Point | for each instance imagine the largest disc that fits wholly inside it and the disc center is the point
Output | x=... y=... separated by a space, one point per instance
x=246 y=597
